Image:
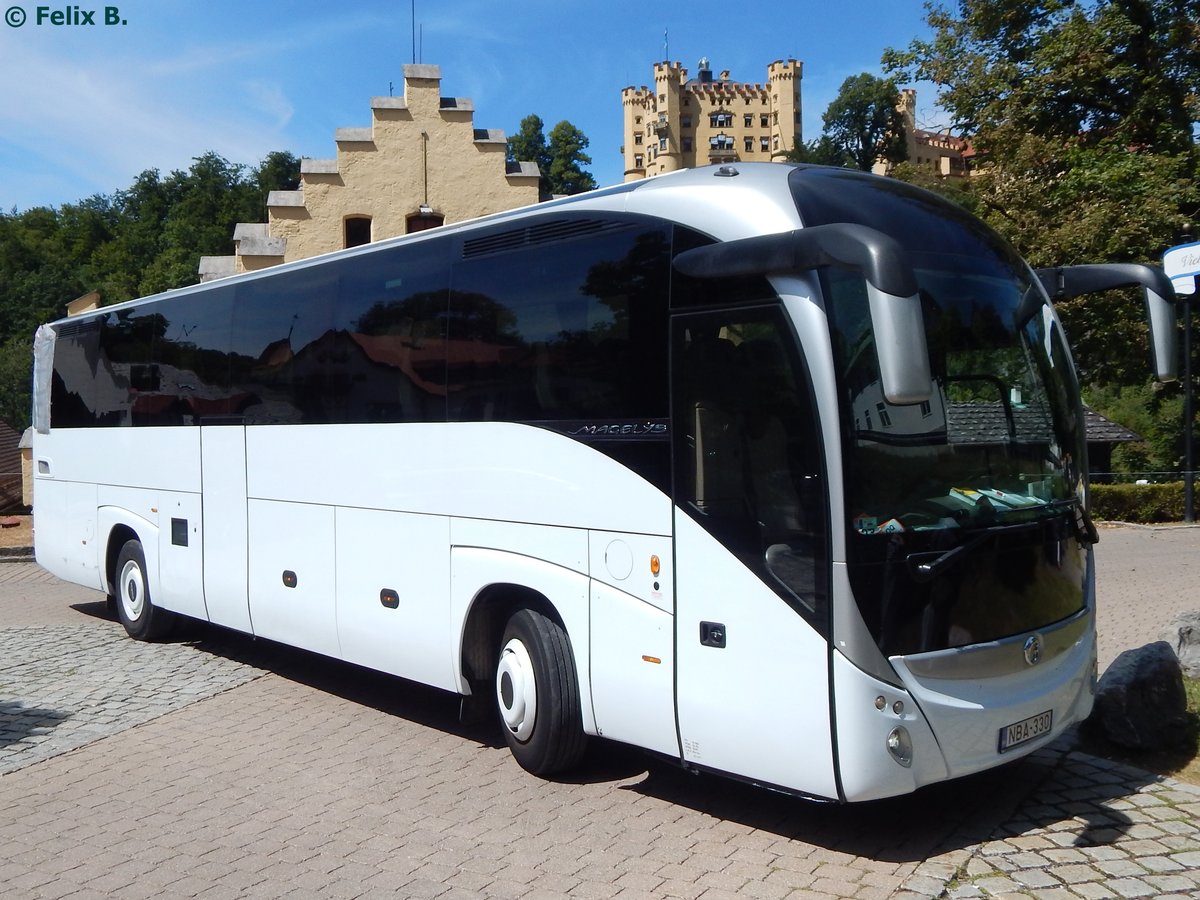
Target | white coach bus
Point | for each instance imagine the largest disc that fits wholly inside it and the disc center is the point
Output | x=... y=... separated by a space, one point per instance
x=776 y=471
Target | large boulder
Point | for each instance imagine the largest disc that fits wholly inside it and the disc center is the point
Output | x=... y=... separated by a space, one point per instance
x=1140 y=702
x=1183 y=635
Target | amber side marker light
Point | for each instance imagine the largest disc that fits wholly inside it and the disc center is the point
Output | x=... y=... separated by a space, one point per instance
x=655 y=565
x=652 y=659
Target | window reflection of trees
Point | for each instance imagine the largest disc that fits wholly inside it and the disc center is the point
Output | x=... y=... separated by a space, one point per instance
x=571 y=330
x=579 y=335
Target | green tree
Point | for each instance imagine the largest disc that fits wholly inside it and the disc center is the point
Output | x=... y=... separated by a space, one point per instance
x=1121 y=70
x=279 y=171
x=561 y=159
x=1085 y=115
x=863 y=124
x=208 y=201
x=567 y=159
x=529 y=143
x=821 y=152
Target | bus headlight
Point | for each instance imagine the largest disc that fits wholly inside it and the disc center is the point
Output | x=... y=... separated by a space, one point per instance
x=899 y=744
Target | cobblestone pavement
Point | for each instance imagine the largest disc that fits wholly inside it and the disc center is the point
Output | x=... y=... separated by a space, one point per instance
x=218 y=766
x=79 y=683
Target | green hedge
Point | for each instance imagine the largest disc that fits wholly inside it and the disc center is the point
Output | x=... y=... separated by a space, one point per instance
x=1144 y=503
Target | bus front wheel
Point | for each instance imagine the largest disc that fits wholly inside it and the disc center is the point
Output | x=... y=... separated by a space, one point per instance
x=537 y=694
x=143 y=620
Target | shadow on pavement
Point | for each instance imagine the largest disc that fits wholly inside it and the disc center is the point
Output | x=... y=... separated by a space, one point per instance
x=96 y=610
x=1038 y=793
x=18 y=721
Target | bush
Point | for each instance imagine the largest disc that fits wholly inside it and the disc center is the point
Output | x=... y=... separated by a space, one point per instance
x=1142 y=503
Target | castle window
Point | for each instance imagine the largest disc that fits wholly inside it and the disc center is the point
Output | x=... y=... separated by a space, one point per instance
x=687 y=145
x=749 y=145
x=748 y=120
x=638 y=161
x=720 y=119
x=637 y=138
x=685 y=122
x=357 y=231
x=764 y=121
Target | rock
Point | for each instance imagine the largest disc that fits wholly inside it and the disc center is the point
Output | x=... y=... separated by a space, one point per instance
x=1183 y=635
x=1140 y=702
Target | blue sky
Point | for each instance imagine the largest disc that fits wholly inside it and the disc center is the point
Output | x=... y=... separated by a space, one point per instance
x=84 y=109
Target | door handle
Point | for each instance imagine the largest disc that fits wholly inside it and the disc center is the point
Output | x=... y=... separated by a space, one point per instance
x=712 y=634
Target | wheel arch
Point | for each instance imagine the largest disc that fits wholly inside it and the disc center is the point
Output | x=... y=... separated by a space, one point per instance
x=119 y=526
x=488 y=587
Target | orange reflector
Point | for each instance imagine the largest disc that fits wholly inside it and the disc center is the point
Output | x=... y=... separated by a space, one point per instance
x=653 y=659
x=655 y=565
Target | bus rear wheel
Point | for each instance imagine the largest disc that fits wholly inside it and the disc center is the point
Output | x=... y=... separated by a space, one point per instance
x=537 y=694
x=143 y=620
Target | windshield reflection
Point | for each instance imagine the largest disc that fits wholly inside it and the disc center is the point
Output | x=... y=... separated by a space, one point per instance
x=963 y=520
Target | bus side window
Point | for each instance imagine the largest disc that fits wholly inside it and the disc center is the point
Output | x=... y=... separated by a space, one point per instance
x=76 y=378
x=573 y=330
x=284 y=340
x=391 y=333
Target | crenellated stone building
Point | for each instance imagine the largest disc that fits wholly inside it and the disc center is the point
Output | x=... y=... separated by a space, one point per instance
x=681 y=123
x=945 y=154
x=420 y=163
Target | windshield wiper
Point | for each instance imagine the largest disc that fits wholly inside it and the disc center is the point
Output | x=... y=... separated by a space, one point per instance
x=928 y=566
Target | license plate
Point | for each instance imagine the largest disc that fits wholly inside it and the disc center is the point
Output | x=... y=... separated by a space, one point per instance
x=1026 y=730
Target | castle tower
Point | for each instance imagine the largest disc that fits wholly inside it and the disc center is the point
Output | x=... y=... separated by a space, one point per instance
x=683 y=123
x=786 y=126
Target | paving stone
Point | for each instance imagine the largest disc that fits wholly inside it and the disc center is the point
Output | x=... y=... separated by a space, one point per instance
x=1092 y=891
x=1167 y=883
x=272 y=773
x=1132 y=887
x=1035 y=878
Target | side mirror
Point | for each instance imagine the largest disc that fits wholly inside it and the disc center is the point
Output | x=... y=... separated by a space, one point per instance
x=1065 y=282
x=894 y=302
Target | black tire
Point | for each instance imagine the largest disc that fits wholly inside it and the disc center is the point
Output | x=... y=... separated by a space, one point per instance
x=143 y=620
x=536 y=668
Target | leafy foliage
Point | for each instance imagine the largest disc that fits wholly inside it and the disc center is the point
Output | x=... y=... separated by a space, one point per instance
x=567 y=159
x=1085 y=116
x=1119 y=70
x=864 y=124
x=561 y=158
x=1142 y=503
x=821 y=152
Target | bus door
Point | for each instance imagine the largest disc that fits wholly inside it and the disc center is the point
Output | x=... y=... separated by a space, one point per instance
x=223 y=498
x=752 y=687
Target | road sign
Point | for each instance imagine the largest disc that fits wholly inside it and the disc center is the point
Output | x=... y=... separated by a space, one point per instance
x=1182 y=265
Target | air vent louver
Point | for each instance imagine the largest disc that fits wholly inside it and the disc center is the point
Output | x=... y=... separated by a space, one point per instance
x=540 y=233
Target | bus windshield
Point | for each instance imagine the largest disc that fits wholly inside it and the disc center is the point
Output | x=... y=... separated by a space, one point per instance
x=963 y=518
